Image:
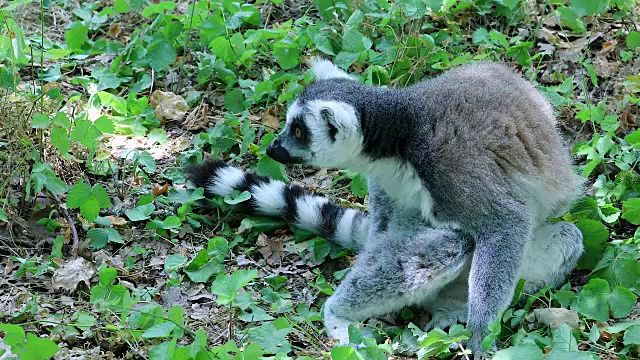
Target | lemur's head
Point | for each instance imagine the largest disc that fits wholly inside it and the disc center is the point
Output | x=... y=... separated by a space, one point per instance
x=323 y=124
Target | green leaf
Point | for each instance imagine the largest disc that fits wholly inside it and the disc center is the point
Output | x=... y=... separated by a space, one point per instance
x=237 y=197
x=633 y=40
x=78 y=194
x=141 y=212
x=101 y=195
x=13 y=334
x=632 y=336
x=344 y=353
x=221 y=47
x=76 y=35
x=359 y=186
x=107 y=276
x=234 y=101
x=120 y=6
x=40 y=121
x=270 y=338
x=570 y=18
x=37 y=348
x=3 y=216
x=105 y=125
x=287 y=55
x=592 y=301
x=589 y=7
x=62 y=120
x=227 y=286
x=631 y=211
x=161 y=54
x=90 y=208
x=621 y=302
x=161 y=330
x=521 y=351
x=345 y=59
x=173 y=262
x=271 y=168
x=595 y=235
x=98 y=237
x=204 y=273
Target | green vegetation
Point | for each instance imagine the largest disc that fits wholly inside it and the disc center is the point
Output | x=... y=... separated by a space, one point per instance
x=105 y=251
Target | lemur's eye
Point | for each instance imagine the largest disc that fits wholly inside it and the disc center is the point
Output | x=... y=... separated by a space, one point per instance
x=298 y=132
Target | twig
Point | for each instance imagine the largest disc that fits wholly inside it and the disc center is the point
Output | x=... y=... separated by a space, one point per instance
x=74 y=249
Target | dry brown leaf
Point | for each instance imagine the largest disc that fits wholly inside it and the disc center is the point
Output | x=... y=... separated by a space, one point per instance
x=627 y=119
x=73 y=273
x=169 y=106
x=116 y=220
x=270 y=119
x=271 y=249
x=607 y=46
x=8 y=267
x=114 y=30
x=158 y=189
x=197 y=118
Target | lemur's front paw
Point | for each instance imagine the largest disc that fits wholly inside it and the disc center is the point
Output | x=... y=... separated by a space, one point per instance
x=443 y=320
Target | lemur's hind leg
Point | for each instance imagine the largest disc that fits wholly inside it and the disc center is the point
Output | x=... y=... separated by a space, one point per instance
x=396 y=271
x=551 y=255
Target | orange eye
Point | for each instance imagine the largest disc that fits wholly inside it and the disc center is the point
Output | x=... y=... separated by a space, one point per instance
x=298 y=133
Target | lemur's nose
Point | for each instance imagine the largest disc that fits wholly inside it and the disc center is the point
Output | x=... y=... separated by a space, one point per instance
x=278 y=153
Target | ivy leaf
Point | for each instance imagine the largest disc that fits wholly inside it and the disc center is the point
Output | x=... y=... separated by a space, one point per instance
x=3 y=216
x=631 y=211
x=161 y=54
x=120 y=6
x=60 y=139
x=227 y=286
x=76 y=35
x=99 y=237
x=101 y=195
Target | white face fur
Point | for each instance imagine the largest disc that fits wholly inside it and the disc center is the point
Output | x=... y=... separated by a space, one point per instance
x=320 y=132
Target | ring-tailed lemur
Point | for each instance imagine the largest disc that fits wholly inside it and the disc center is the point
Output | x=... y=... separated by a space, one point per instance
x=476 y=149
x=401 y=261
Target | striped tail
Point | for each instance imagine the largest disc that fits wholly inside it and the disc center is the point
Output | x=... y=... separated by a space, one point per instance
x=343 y=226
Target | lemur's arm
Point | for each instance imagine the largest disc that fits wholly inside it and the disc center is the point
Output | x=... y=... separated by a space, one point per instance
x=343 y=226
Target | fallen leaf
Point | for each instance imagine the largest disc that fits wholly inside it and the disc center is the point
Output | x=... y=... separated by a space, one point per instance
x=270 y=119
x=270 y=248
x=116 y=220
x=169 y=106
x=607 y=46
x=158 y=189
x=72 y=273
x=114 y=30
x=554 y=318
x=8 y=267
x=627 y=119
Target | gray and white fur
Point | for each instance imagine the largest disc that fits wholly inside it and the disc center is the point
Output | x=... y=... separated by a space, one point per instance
x=475 y=149
x=401 y=260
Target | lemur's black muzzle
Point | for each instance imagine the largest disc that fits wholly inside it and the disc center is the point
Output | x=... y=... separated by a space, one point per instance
x=278 y=153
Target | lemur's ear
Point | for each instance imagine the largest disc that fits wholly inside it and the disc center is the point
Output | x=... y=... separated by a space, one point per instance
x=325 y=69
